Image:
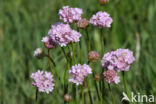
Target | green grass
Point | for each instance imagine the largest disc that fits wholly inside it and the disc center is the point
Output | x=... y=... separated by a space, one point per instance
x=23 y=23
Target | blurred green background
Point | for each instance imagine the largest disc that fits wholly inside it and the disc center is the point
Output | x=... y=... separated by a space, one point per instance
x=23 y=23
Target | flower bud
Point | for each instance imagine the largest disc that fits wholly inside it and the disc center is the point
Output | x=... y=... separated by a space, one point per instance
x=103 y=2
x=98 y=77
x=83 y=23
x=93 y=56
x=67 y=97
x=38 y=53
x=48 y=43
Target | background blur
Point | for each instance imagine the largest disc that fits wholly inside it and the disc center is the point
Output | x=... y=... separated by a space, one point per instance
x=23 y=23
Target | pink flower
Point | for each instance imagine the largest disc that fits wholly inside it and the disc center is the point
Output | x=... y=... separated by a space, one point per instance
x=62 y=34
x=69 y=15
x=101 y=19
x=43 y=81
x=111 y=76
x=78 y=73
x=119 y=60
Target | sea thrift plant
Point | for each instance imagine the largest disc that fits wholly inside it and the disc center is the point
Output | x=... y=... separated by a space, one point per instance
x=69 y=15
x=101 y=19
x=111 y=76
x=119 y=60
x=78 y=73
x=48 y=42
x=43 y=81
x=62 y=34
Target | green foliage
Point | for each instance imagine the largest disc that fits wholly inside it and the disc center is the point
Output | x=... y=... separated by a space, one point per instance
x=24 y=22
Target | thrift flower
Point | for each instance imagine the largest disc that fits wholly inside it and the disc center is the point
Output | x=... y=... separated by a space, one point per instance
x=111 y=76
x=43 y=81
x=119 y=60
x=62 y=34
x=93 y=56
x=83 y=23
x=69 y=15
x=103 y=2
x=101 y=19
x=78 y=73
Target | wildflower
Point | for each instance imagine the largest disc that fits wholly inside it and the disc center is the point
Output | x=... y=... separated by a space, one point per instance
x=93 y=56
x=43 y=81
x=111 y=76
x=103 y=2
x=101 y=19
x=78 y=73
x=48 y=42
x=119 y=60
x=67 y=97
x=62 y=34
x=69 y=15
x=83 y=23
x=38 y=53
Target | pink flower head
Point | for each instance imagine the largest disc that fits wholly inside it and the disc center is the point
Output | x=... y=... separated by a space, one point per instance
x=62 y=34
x=43 y=81
x=48 y=42
x=111 y=76
x=69 y=15
x=101 y=19
x=78 y=73
x=119 y=60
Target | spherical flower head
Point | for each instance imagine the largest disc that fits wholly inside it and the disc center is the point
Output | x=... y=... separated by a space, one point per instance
x=48 y=42
x=38 y=53
x=93 y=56
x=43 y=81
x=111 y=76
x=103 y=2
x=78 y=73
x=83 y=23
x=62 y=34
x=101 y=19
x=69 y=15
x=119 y=60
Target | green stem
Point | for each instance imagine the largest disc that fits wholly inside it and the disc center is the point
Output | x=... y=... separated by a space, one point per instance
x=102 y=41
x=36 y=98
x=83 y=93
x=111 y=93
x=90 y=96
x=73 y=58
x=88 y=40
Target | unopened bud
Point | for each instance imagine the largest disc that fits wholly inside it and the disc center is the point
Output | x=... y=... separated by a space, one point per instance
x=48 y=43
x=93 y=56
x=83 y=23
x=67 y=97
x=38 y=53
x=103 y=2
x=98 y=77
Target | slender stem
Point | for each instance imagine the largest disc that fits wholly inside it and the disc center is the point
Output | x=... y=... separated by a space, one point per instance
x=73 y=58
x=125 y=85
x=102 y=41
x=50 y=58
x=74 y=93
x=83 y=94
x=90 y=96
x=88 y=40
x=80 y=52
x=36 y=98
x=111 y=93
x=64 y=54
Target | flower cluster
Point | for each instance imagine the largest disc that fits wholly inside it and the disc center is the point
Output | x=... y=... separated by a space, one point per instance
x=111 y=76
x=78 y=73
x=43 y=81
x=101 y=19
x=62 y=34
x=69 y=15
x=38 y=53
x=119 y=60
